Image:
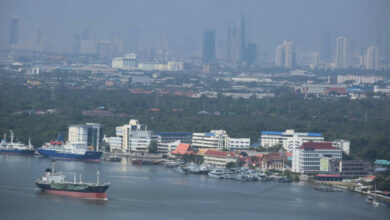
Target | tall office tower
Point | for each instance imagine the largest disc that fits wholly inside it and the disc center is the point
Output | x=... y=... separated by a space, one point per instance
x=289 y=54
x=236 y=43
x=285 y=55
x=13 y=30
x=325 y=47
x=251 y=53
x=208 y=51
x=372 y=58
x=341 y=52
x=279 y=56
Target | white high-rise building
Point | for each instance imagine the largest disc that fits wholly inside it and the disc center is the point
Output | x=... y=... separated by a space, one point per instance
x=279 y=56
x=135 y=136
x=341 y=52
x=285 y=55
x=372 y=58
x=289 y=54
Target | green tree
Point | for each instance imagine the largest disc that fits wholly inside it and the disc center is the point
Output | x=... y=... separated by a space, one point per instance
x=153 y=146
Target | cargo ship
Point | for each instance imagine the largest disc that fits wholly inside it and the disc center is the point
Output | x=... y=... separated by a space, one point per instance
x=55 y=183
x=70 y=151
x=16 y=147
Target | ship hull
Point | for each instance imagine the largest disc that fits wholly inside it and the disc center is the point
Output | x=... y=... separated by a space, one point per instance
x=17 y=152
x=88 y=155
x=88 y=192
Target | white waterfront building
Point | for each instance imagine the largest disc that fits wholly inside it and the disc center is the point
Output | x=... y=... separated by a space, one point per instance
x=219 y=139
x=135 y=136
x=289 y=139
x=115 y=143
x=307 y=158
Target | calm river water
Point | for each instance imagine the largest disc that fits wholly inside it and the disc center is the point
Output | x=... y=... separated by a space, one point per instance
x=148 y=192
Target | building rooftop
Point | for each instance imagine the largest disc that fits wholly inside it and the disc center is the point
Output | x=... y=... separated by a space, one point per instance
x=182 y=149
x=318 y=146
x=220 y=153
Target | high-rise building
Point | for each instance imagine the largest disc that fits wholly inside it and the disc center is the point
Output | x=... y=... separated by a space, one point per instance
x=325 y=47
x=341 y=52
x=251 y=53
x=285 y=55
x=90 y=134
x=279 y=56
x=135 y=136
x=372 y=58
x=289 y=54
x=236 y=43
x=13 y=30
x=208 y=52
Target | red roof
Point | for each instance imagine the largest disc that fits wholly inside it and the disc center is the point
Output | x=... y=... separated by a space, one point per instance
x=318 y=146
x=273 y=156
x=182 y=149
x=219 y=153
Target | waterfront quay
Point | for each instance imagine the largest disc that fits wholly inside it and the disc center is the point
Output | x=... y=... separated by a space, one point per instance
x=155 y=192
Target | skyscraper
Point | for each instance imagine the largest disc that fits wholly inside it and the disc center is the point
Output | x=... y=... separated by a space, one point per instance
x=13 y=30
x=285 y=55
x=372 y=58
x=279 y=56
x=208 y=51
x=289 y=54
x=341 y=52
x=236 y=43
x=325 y=47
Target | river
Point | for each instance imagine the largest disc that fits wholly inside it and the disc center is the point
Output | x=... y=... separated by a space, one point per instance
x=151 y=192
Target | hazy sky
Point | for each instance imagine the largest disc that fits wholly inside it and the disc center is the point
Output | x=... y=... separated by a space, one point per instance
x=182 y=21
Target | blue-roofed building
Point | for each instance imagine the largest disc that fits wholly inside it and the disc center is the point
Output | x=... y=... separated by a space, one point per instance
x=288 y=139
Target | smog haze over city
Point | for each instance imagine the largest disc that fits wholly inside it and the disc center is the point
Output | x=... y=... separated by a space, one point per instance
x=195 y=109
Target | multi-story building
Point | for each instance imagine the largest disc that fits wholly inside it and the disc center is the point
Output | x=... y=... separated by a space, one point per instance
x=307 y=158
x=341 y=53
x=136 y=137
x=114 y=143
x=285 y=55
x=372 y=58
x=289 y=139
x=169 y=137
x=239 y=143
x=218 y=139
x=208 y=50
x=13 y=31
x=355 y=168
x=359 y=79
x=219 y=158
x=90 y=134
x=167 y=147
x=129 y=62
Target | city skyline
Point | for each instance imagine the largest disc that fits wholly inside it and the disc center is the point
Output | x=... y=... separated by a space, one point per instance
x=264 y=29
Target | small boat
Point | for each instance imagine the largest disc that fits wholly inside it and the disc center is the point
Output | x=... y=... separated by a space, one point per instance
x=114 y=159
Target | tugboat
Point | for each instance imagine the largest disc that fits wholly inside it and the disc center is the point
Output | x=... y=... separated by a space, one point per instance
x=16 y=147
x=54 y=182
